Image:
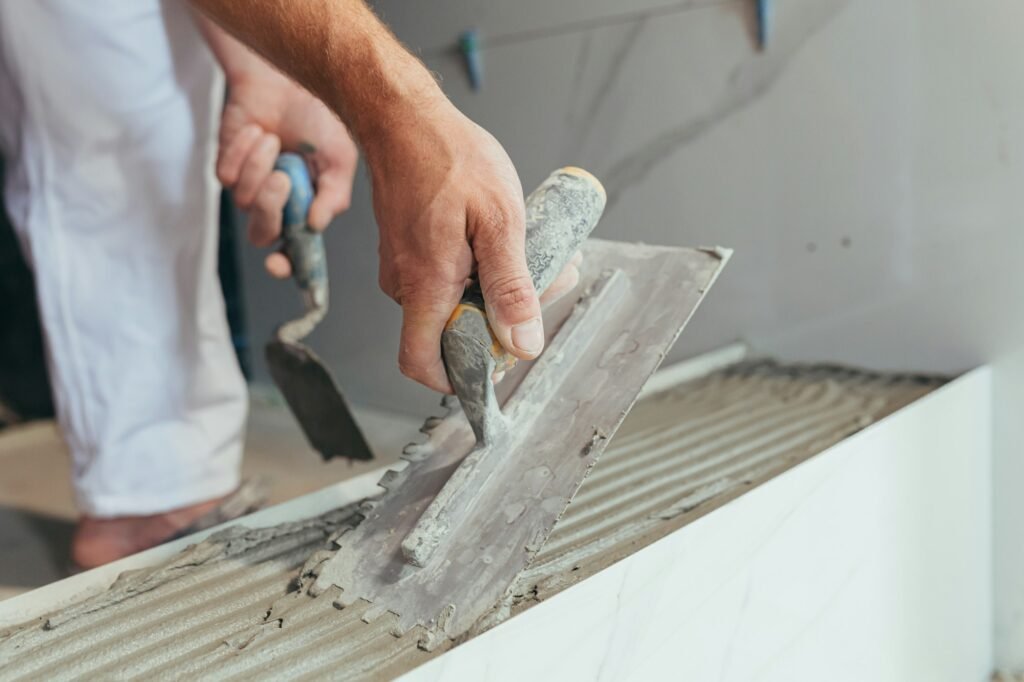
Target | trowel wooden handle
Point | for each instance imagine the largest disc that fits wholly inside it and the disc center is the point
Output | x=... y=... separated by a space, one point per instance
x=303 y=246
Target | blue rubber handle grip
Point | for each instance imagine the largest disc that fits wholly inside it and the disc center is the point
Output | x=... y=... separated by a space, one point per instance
x=303 y=246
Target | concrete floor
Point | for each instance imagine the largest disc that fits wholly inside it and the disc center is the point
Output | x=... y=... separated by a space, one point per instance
x=37 y=515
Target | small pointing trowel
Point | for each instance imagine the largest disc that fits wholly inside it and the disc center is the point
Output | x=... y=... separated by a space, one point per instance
x=307 y=385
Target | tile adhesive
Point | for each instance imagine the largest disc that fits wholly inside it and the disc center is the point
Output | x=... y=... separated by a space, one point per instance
x=237 y=604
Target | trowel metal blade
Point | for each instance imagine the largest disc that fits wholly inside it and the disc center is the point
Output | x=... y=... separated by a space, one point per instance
x=316 y=401
x=563 y=409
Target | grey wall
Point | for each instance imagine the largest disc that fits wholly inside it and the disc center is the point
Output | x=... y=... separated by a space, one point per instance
x=865 y=168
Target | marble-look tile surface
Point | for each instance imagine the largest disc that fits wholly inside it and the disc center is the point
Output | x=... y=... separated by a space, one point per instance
x=1008 y=510
x=870 y=561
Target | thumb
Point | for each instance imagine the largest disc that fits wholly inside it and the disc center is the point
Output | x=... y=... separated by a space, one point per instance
x=513 y=307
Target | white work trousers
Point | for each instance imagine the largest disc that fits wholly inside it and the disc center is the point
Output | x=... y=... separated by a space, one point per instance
x=108 y=119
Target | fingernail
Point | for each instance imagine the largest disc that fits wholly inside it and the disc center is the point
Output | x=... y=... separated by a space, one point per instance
x=498 y=376
x=529 y=336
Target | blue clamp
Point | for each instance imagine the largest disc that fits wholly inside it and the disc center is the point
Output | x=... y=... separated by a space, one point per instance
x=469 y=45
x=765 y=10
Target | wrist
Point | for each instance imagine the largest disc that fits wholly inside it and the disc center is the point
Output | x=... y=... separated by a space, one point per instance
x=384 y=93
x=408 y=119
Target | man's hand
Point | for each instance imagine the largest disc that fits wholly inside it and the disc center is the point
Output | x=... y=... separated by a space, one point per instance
x=263 y=117
x=267 y=113
x=447 y=198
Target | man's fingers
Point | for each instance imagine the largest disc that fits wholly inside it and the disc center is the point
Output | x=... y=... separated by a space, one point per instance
x=419 y=356
x=278 y=265
x=566 y=281
x=265 y=213
x=257 y=166
x=333 y=196
x=512 y=304
x=563 y=284
x=232 y=155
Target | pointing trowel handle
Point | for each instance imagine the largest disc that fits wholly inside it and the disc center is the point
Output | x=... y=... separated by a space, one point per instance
x=303 y=246
x=560 y=215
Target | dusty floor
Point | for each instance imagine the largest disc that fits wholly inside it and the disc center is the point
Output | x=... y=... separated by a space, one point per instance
x=37 y=517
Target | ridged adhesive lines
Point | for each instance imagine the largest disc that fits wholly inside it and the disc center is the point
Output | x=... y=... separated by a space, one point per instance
x=679 y=455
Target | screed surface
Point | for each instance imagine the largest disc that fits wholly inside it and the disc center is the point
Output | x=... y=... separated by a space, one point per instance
x=237 y=607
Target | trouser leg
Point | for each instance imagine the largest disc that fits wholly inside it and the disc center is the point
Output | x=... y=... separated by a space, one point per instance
x=108 y=113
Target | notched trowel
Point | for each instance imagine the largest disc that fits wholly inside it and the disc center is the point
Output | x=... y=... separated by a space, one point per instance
x=307 y=385
x=471 y=506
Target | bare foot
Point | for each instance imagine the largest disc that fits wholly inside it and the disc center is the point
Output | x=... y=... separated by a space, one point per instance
x=100 y=541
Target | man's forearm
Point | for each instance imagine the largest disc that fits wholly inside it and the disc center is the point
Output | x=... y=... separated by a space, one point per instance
x=371 y=81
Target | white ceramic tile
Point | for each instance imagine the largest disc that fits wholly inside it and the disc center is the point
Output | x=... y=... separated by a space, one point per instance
x=1008 y=508
x=867 y=562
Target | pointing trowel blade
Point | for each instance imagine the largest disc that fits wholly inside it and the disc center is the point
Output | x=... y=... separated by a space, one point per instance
x=315 y=400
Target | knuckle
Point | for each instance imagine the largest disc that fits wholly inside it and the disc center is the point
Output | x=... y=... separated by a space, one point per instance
x=411 y=366
x=223 y=177
x=513 y=292
x=409 y=283
x=254 y=165
x=496 y=220
x=406 y=368
x=273 y=195
x=264 y=201
x=386 y=284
